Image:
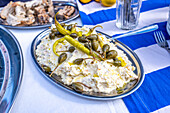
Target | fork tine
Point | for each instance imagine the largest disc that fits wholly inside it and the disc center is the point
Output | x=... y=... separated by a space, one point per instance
x=156 y=37
x=159 y=37
x=162 y=35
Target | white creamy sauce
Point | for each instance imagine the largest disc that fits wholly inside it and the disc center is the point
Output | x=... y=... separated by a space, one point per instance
x=100 y=76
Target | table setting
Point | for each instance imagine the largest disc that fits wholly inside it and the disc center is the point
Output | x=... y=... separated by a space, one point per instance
x=137 y=30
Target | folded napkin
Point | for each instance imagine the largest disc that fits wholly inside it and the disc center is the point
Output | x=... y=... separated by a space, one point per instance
x=153 y=95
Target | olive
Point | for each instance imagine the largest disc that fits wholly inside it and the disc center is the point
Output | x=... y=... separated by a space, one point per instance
x=71 y=49
x=87 y=46
x=54 y=30
x=95 y=45
x=92 y=37
x=62 y=58
x=74 y=35
x=78 y=61
x=77 y=86
x=52 y=36
x=46 y=68
x=82 y=39
x=111 y=54
x=69 y=27
x=105 y=48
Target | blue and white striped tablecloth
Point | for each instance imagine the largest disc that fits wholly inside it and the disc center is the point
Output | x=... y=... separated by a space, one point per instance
x=154 y=93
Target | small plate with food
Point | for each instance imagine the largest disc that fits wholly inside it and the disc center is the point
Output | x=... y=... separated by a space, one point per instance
x=36 y=14
x=11 y=69
x=86 y=62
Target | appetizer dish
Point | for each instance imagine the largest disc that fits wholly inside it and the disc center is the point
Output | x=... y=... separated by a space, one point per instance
x=28 y=13
x=84 y=59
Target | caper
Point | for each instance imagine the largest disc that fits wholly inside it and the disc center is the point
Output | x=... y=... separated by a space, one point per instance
x=117 y=62
x=95 y=45
x=74 y=35
x=63 y=24
x=105 y=48
x=69 y=27
x=77 y=86
x=52 y=36
x=87 y=46
x=54 y=30
x=82 y=40
x=84 y=36
x=111 y=54
x=46 y=68
x=71 y=49
x=62 y=58
x=92 y=37
x=119 y=92
x=58 y=34
x=78 y=61
x=56 y=77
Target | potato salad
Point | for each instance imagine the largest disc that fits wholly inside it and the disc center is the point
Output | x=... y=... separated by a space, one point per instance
x=84 y=59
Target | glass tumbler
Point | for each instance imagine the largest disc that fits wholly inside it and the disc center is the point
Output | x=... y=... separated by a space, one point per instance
x=127 y=13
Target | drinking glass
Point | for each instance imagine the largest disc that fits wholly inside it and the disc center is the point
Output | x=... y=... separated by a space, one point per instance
x=127 y=13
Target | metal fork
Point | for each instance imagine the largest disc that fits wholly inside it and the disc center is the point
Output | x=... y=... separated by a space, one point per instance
x=161 y=41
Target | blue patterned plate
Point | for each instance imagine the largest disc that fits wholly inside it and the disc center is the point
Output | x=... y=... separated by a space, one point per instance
x=57 y=5
x=11 y=69
x=133 y=86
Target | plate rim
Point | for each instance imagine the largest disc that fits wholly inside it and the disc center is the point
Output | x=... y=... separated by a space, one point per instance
x=12 y=101
x=90 y=96
x=45 y=25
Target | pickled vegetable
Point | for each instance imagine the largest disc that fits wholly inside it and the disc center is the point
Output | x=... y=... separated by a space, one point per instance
x=46 y=68
x=60 y=28
x=111 y=54
x=78 y=61
x=74 y=35
x=92 y=37
x=76 y=44
x=82 y=40
x=61 y=59
x=105 y=49
x=52 y=36
x=92 y=29
x=55 y=44
x=94 y=45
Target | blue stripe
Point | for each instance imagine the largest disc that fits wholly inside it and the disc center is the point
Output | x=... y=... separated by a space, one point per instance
x=110 y=14
x=143 y=40
x=85 y=18
x=153 y=93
